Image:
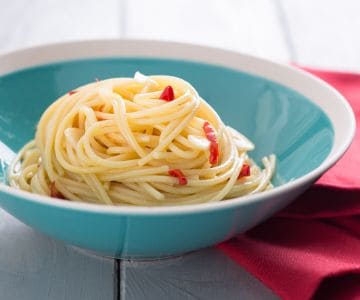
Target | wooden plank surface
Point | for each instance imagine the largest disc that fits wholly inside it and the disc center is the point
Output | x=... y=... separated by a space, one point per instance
x=36 y=267
x=205 y=274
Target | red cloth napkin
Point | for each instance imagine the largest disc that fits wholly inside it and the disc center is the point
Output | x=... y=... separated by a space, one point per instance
x=311 y=250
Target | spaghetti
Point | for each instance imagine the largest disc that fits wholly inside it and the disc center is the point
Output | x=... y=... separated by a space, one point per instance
x=147 y=140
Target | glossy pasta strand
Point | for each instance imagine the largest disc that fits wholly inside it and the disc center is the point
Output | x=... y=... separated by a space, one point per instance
x=115 y=142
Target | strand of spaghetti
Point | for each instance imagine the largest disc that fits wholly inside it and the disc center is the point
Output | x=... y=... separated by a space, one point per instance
x=167 y=130
x=150 y=95
x=114 y=142
x=166 y=141
x=122 y=194
x=41 y=174
x=84 y=142
x=123 y=126
x=118 y=150
x=189 y=164
x=55 y=127
x=162 y=109
x=200 y=197
x=223 y=167
x=60 y=135
x=151 y=191
x=26 y=175
x=178 y=190
x=213 y=181
x=35 y=184
x=163 y=119
x=244 y=188
x=70 y=195
x=182 y=153
x=226 y=189
x=97 y=188
x=134 y=173
x=267 y=173
x=152 y=178
x=89 y=169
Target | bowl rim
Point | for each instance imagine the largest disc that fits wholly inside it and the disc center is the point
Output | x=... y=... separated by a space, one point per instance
x=190 y=52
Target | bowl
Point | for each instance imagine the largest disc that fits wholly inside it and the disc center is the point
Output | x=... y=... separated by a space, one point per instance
x=283 y=110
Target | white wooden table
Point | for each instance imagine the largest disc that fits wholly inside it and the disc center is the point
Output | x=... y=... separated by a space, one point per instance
x=315 y=33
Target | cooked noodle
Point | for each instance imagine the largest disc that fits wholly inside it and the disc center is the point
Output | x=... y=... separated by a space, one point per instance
x=117 y=142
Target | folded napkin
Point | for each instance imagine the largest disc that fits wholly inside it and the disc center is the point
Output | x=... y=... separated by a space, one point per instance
x=311 y=250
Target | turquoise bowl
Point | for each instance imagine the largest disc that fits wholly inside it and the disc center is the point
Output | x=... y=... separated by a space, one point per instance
x=305 y=122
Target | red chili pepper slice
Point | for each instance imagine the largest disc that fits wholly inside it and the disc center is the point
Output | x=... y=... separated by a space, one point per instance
x=54 y=193
x=214 y=153
x=214 y=146
x=167 y=94
x=72 y=92
x=245 y=171
x=178 y=174
x=209 y=132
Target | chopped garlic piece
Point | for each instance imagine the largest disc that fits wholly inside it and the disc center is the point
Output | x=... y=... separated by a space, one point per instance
x=199 y=142
x=141 y=78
